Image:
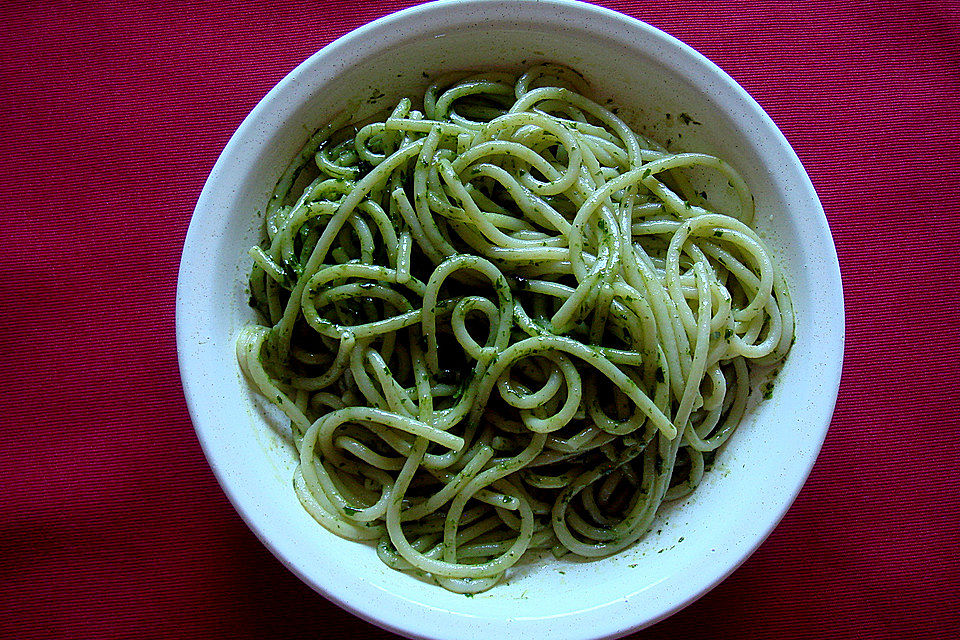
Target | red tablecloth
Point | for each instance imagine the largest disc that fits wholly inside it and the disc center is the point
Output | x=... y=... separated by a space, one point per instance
x=111 y=115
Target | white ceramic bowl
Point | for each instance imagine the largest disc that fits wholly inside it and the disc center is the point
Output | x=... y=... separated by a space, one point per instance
x=648 y=72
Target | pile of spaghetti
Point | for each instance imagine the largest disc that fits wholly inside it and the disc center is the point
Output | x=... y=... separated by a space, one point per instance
x=503 y=321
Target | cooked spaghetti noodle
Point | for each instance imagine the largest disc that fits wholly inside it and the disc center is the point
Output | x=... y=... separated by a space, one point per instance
x=505 y=323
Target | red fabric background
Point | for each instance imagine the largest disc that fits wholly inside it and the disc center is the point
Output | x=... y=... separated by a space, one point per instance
x=111 y=524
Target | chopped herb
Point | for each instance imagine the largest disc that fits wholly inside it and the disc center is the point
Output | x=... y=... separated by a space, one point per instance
x=449 y=376
x=718 y=233
x=686 y=119
x=646 y=172
x=709 y=457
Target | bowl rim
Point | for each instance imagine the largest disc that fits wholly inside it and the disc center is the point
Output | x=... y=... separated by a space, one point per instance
x=410 y=618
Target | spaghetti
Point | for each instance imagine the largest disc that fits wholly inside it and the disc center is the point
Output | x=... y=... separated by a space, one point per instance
x=503 y=323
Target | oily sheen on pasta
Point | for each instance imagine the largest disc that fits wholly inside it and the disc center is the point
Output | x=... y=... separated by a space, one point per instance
x=502 y=321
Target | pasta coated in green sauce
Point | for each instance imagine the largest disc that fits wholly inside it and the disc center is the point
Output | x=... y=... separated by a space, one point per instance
x=501 y=321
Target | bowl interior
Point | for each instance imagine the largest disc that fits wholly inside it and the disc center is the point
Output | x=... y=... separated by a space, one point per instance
x=695 y=542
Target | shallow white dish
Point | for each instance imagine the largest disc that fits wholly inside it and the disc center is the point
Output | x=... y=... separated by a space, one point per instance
x=696 y=542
